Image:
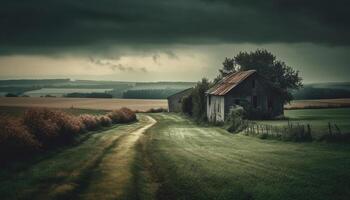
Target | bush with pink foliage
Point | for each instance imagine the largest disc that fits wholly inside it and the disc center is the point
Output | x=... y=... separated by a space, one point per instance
x=15 y=139
x=91 y=122
x=123 y=115
x=42 y=128
x=105 y=120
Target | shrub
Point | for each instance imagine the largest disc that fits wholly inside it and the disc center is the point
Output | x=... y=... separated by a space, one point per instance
x=52 y=126
x=105 y=120
x=15 y=139
x=41 y=123
x=44 y=128
x=91 y=122
x=199 y=103
x=235 y=118
x=123 y=115
x=70 y=124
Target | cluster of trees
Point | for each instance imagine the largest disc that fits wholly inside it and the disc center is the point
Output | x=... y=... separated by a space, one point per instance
x=194 y=104
x=89 y=95
x=281 y=76
x=149 y=93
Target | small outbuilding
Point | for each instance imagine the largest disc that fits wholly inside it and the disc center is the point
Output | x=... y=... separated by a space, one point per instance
x=245 y=88
x=175 y=100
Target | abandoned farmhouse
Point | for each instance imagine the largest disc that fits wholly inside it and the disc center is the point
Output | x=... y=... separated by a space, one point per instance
x=244 y=88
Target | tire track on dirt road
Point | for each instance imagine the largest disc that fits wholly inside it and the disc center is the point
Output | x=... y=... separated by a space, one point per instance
x=113 y=177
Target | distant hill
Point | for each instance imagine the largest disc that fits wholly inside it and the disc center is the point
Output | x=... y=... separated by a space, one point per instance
x=151 y=90
x=32 y=82
x=323 y=91
x=118 y=89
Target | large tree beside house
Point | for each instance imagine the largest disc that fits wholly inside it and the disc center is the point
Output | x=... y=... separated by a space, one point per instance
x=277 y=72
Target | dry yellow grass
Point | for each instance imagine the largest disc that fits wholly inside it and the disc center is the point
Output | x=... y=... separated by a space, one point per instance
x=319 y=103
x=83 y=103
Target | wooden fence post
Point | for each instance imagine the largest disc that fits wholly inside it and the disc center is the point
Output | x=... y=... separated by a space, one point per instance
x=329 y=128
x=338 y=129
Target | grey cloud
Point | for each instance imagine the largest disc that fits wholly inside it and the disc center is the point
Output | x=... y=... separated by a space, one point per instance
x=46 y=27
x=116 y=66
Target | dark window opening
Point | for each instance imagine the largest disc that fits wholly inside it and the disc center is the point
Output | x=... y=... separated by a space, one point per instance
x=209 y=100
x=269 y=103
x=255 y=101
x=237 y=101
x=253 y=84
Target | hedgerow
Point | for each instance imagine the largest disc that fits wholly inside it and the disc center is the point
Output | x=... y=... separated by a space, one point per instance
x=42 y=129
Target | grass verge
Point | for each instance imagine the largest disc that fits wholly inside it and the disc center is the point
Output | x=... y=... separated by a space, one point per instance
x=193 y=162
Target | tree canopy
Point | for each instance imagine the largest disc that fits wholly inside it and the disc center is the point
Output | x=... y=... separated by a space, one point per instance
x=195 y=104
x=282 y=76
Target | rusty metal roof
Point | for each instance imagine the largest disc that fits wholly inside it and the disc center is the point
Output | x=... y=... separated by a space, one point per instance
x=229 y=82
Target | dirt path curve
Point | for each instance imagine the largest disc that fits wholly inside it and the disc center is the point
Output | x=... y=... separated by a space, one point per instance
x=113 y=177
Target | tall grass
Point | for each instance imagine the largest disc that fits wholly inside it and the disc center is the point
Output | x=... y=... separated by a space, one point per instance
x=43 y=129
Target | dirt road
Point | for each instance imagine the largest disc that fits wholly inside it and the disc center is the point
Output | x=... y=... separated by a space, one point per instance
x=98 y=168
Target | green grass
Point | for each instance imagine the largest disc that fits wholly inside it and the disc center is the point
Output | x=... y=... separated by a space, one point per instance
x=71 y=172
x=194 y=162
x=317 y=118
x=18 y=111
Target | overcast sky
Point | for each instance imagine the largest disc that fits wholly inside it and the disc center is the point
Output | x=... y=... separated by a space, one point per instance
x=182 y=40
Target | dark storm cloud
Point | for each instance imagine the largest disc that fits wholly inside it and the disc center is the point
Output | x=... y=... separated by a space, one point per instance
x=42 y=26
x=116 y=66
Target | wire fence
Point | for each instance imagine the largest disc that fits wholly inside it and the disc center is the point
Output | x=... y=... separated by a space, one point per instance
x=293 y=131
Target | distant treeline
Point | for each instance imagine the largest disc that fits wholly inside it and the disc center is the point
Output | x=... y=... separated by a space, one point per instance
x=309 y=92
x=150 y=93
x=33 y=81
x=88 y=95
x=17 y=90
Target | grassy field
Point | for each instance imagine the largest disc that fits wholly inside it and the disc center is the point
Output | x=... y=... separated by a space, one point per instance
x=320 y=103
x=100 y=167
x=196 y=162
x=83 y=103
x=317 y=118
x=176 y=158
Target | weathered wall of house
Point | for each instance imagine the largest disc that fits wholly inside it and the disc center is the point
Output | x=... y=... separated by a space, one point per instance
x=175 y=101
x=216 y=108
x=267 y=98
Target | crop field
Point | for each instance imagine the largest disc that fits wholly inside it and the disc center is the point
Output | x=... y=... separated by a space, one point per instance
x=83 y=103
x=320 y=103
x=196 y=162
